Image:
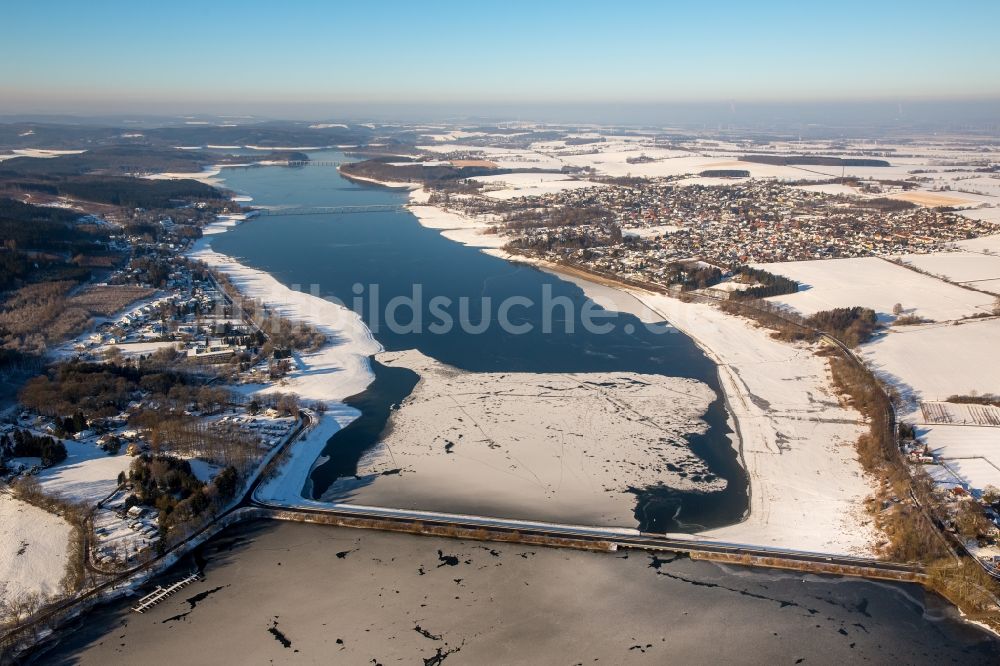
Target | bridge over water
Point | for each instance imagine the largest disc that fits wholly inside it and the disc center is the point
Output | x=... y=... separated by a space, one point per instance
x=333 y=210
x=320 y=163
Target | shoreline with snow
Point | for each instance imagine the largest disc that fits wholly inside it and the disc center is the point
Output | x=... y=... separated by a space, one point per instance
x=390 y=184
x=768 y=386
x=806 y=486
x=795 y=440
x=565 y=447
x=336 y=371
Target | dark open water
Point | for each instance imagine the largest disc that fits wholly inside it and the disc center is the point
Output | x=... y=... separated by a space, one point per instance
x=393 y=251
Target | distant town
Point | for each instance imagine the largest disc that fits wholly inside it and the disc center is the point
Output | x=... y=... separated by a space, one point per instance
x=640 y=230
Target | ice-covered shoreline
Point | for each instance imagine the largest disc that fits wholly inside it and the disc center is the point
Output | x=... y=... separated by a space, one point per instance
x=455 y=226
x=807 y=489
x=558 y=447
x=796 y=441
x=339 y=369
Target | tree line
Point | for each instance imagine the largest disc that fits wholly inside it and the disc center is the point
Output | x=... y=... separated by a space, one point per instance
x=768 y=284
x=99 y=390
x=24 y=444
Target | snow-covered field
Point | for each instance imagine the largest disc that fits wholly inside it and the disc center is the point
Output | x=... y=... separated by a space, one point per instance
x=42 y=153
x=530 y=184
x=505 y=158
x=959 y=413
x=980 y=271
x=203 y=470
x=650 y=232
x=969 y=453
x=830 y=188
x=933 y=198
x=87 y=475
x=207 y=175
x=612 y=160
x=986 y=244
x=33 y=549
x=987 y=214
x=878 y=284
x=561 y=447
x=935 y=361
x=130 y=349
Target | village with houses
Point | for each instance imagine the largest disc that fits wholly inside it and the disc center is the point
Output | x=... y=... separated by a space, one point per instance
x=149 y=422
x=747 y=222
x=903 y=235
x=192 y=325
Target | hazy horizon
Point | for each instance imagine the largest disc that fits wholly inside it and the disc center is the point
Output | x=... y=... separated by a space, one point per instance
x=975 y=116
x=575 y=62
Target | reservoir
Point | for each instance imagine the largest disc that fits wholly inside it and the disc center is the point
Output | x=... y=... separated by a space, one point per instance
x=311 y=594
x=278 y=592
x=350 y=257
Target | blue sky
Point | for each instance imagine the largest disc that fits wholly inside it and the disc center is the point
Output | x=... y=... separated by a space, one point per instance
x=64 y=56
